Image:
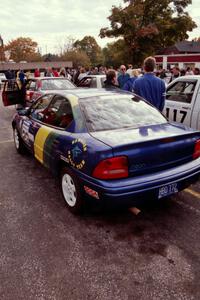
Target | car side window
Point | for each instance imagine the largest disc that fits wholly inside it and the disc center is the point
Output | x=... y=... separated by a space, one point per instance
x=181 y=91
x=103 y=82
x=93 y=83
x=59 y=112
x=32 y=86
x=45 y=85
x=39 y=107
x=10 y=86
x=85 y=82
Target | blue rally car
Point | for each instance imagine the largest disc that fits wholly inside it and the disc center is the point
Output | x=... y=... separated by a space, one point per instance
x=111 y=146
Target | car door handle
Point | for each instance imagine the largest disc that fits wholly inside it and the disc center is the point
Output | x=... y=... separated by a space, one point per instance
x=56 y=142
x=186 y=108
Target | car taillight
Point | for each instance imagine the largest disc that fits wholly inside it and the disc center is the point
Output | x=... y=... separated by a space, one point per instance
x=196 y=152
x=112 y=168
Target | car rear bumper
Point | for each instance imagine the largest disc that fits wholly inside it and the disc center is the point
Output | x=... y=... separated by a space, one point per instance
x=132 y=190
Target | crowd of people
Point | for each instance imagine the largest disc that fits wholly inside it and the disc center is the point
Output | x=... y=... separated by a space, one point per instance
x=144 y=82
x=148 y=81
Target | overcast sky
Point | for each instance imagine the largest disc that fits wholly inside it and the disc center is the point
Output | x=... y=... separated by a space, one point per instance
x=49 y=22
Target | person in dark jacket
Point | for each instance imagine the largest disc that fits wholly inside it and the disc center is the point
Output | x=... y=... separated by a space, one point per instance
x=22 y=77
x=149 y=86
x=9 y=74
x=111 y=80
x=123 y=76
x=175 y=74
x=76 y=75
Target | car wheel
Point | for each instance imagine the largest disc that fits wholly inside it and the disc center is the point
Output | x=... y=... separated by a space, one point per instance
x=18 y=142
x=71 y=191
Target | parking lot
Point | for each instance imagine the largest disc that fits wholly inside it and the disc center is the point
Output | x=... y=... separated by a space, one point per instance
x=48 y=253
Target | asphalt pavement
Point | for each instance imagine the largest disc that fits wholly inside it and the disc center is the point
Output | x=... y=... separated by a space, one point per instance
x=48 y=253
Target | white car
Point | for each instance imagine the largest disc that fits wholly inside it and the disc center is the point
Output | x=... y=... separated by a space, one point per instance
x=35 y=87
x=2 y=77
x=183 y=101
x=92 y=81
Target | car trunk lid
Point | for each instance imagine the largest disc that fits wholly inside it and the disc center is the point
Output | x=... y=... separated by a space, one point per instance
x=153 y=148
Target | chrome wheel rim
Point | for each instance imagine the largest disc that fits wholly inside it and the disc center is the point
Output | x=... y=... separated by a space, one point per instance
x=69 y=190
x=16 y=139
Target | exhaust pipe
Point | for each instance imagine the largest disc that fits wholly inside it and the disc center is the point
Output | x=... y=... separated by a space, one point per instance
x=134 y=210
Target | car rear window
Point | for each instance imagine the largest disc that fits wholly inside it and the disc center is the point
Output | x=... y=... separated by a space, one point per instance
x=119 y=111
x=56 y=84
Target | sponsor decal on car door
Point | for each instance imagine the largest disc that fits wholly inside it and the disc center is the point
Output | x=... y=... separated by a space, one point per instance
x=45 y=145
x=27 y=135
x=39 y=143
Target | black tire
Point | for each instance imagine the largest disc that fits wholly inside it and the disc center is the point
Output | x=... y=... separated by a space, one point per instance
x=19 y=145
x=71 y=191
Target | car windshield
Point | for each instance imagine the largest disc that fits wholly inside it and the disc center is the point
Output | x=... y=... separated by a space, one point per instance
x=56 y=84
x=119 y=111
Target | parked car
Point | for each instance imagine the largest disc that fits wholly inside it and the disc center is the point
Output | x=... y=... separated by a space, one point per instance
x=183 y=101
x=109 y=146
x=2 y=78
x=92 y=81
x=36 y=87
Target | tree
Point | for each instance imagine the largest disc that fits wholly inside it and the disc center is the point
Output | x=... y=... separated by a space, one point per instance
x=22 y=49
x=89 y=45
x=115 y=53
x=50 y=57
x=34 y=57
x=65 y=44
x=146 y=26
x=78 y=58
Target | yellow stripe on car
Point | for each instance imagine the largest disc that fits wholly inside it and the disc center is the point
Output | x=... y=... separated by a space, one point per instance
x=39 y=142
x=73 y=100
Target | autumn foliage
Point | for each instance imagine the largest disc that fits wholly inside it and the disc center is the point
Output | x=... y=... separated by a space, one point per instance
x=146 y=26
x=22 y=49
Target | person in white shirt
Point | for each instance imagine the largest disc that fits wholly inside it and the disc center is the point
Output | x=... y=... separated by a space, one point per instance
x=130 y=70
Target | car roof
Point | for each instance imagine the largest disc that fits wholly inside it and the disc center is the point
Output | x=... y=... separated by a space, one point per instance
x=189 y=77
x=44 y=78
x=183 y=78
x=89 y=93
x=94 y=76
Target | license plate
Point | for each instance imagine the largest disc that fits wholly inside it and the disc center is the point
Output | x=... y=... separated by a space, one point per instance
x=167 y=190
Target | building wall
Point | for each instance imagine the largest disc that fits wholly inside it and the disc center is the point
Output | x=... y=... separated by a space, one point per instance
x=181 y=60
x=34 y=65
